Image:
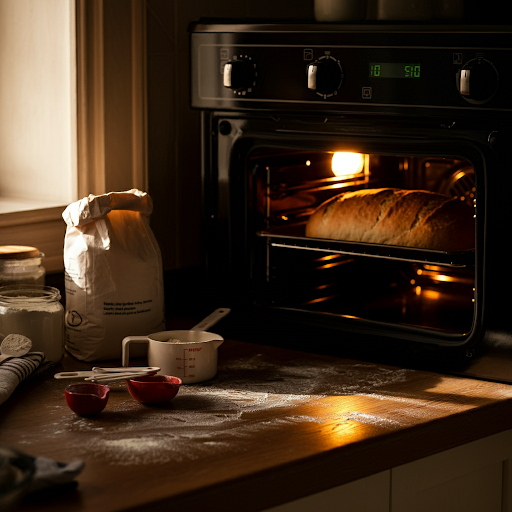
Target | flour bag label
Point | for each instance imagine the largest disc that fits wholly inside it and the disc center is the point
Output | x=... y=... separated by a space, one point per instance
x=113 y=272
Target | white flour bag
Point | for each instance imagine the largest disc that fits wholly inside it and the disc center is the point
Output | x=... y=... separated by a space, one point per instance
x=114 y=276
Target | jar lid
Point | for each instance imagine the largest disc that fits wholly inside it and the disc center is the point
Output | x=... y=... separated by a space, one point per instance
x=18 y=252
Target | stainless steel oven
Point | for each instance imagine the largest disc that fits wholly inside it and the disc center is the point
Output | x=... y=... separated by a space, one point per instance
x=294 y=115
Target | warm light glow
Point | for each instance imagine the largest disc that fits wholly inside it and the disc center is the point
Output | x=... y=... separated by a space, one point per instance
x=345 y=164
x=435 y=276
x=427 y=294
x=328 y=257
x=38 y=108
x=459 y=175
x=431 y=294
x=442 y=277
x=308 y=162
x=331 y=265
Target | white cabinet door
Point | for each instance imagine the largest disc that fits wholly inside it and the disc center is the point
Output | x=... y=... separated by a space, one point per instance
x=370 y=494
x=473 y=477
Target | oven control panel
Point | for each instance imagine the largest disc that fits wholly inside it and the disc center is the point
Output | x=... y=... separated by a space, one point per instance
x=395 y=71
x=478 y=80
x=325 y=75
x=240 y=74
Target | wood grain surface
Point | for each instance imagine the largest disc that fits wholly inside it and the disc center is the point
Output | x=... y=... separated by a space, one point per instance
x=273 y=426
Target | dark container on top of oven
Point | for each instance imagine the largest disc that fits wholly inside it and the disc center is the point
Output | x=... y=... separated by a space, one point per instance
x=420 y=107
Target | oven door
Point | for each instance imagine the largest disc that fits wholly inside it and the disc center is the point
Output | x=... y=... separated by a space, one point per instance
x=266 y=175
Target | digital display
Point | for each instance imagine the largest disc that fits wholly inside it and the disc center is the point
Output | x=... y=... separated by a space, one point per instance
x=395 y=69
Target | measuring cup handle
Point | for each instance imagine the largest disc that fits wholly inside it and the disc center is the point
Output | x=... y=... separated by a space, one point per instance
x=126 y=346
x=211 y=319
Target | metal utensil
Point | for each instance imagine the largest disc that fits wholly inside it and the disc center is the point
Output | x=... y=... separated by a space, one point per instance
x=112 y=377
x=98 y=374
x=99 y=369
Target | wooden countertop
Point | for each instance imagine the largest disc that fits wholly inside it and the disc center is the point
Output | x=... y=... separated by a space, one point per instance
x=273 y=426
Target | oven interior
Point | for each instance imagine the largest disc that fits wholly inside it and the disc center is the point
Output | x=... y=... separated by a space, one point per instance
x=408 y=290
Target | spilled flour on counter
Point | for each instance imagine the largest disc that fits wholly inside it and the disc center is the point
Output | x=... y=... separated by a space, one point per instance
x=371 y=419
x=222 y=413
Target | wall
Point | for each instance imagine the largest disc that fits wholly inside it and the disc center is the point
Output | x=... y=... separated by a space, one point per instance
x=37 y=96
x=174 y=128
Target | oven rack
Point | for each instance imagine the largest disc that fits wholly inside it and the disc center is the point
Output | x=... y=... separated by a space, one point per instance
x=292 y=236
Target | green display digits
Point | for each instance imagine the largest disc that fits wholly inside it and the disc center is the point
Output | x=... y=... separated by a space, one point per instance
x=395 y=70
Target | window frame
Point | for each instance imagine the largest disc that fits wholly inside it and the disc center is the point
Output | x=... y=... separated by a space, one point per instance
x=111 y=138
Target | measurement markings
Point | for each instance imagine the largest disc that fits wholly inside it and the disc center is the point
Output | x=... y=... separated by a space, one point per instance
x=188 y=361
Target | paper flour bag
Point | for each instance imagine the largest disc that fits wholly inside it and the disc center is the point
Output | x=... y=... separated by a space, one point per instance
x=114 y=276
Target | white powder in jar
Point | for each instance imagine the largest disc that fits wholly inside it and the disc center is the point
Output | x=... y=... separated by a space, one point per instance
x=42 y=323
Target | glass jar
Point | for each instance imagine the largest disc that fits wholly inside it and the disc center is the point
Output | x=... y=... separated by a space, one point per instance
x=20 y=264
x=35 y=312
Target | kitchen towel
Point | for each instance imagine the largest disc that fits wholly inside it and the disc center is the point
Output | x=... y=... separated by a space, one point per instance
x=15 y=370
x=39 y=476
x=50 y=472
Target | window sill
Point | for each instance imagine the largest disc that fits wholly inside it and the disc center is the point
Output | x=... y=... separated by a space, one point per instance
x=15 y=206
x=31 y=216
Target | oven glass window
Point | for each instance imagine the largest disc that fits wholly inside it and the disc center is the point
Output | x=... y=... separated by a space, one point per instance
x=408 y=284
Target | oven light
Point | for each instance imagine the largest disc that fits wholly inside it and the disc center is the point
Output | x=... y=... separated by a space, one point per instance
x=308 y=163
x=345 y=164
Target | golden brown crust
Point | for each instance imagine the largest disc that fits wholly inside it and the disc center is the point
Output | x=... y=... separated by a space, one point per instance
x=411 y=218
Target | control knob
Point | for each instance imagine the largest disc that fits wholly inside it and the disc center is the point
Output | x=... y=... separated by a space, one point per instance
x=477 y=81
x=325 y=76
x=240 y=75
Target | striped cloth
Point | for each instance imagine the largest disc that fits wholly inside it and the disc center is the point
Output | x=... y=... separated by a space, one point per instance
x=15 y=370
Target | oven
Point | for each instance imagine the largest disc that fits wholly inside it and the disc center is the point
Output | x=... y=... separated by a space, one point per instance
x=294 y=115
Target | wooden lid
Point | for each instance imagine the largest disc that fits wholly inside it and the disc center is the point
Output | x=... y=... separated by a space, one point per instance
x=18 y=252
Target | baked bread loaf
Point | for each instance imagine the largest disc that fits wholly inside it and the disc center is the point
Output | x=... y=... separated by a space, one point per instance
x=410 y=218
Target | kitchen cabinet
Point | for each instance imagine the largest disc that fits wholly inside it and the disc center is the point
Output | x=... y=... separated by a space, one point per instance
x=370 y=494
x=475 y=477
